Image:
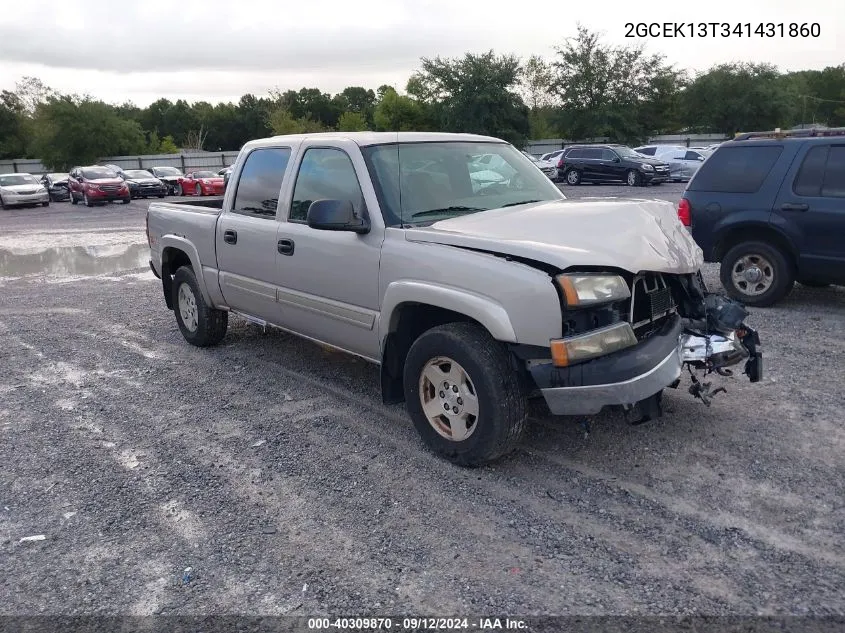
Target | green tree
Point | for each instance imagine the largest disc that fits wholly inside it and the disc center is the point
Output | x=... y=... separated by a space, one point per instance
x=352 y=122
x=13 y=126
x=168 y=146
x=739 y=97
x=821 y=95
x=79 y=130
x=602 y=89
x=398 y=113
x=474 y=93
x=357 y=100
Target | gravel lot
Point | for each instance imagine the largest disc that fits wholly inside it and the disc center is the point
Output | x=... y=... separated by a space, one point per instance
x=271 y=468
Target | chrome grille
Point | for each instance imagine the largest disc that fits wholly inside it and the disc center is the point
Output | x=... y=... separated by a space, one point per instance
x=109 y=188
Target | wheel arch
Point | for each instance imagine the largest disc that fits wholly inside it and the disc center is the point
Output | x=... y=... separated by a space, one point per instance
x=177 y=252
x=733 y=235
x=411 y=308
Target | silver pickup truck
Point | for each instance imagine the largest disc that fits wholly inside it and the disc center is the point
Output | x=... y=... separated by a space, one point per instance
x=473 y=288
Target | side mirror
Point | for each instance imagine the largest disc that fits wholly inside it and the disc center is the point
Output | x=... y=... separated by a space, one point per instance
x=700 y=158
x=79 y=179
x=616 y=159
x=336 y=215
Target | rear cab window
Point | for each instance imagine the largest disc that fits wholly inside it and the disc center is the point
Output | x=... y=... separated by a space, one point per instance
x=736 y=169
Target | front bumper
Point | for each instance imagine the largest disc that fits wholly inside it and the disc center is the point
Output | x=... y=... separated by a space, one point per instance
x=623 y=378
x=652 y=177
x=59 y=193
x=11 y=199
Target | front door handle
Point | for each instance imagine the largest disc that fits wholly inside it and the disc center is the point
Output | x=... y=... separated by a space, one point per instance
x=285 y=247
x=230 y=237
x=795 y=206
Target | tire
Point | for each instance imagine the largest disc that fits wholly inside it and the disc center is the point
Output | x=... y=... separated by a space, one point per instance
x=201 y=325
x=45 y=204
x=177 y=190
x=500 y=402
x=775 y=272
x=87 y=200
x=198 y=190
x=3 y=204
x=161 y=196
x=127 y=200
x=633 y=178
x=73 y=199
x=572 y=177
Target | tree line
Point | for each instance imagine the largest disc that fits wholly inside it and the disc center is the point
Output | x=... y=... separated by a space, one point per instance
x=587 y=89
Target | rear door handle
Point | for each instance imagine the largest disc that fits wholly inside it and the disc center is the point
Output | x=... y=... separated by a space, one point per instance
x=285 y=247
x=230 y=237
x=795 y=206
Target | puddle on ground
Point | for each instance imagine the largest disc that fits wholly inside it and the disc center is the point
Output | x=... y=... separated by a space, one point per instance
x=75 y=260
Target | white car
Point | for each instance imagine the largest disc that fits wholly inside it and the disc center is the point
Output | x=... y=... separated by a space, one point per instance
x=683 y=161
x=548 y=167
x=21 y=190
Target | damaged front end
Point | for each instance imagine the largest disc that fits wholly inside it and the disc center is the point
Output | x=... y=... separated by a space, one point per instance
x=715 y=337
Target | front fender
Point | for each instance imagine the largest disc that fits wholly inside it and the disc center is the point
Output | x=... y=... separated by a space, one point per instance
x=488 y=312
x=182 y=244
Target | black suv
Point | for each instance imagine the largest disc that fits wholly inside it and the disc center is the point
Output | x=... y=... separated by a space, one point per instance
x=770 y=206
x=610 y=163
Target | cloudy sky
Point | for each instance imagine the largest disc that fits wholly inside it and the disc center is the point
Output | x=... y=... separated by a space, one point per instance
x=217 y=50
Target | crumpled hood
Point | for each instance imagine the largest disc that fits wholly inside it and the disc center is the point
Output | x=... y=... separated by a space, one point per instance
x=631 y=234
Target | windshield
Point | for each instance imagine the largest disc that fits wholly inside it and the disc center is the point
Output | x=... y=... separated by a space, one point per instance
x=167 y=171
x=93 y=173
x=421 y=183
x=138 y=173
x=204 y=174
x=17 y=179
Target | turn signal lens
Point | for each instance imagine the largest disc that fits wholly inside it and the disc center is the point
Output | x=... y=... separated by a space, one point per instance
x=606 y=340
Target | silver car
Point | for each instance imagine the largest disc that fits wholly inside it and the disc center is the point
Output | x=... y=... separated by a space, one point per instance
x=683 y=161
x=21 y=190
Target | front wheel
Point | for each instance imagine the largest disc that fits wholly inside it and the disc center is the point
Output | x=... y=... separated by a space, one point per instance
x=463 y=395
x=756 y=273
x=198 y=190
x=45 y=204
x=200 y=324
x=177 y=190
x=127 y=200
x=573 y=177
x=87 y=200
x=633 y=178
x=73 y=199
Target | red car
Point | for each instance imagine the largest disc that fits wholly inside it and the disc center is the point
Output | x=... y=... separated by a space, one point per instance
x=200 y=183
x=96 y=185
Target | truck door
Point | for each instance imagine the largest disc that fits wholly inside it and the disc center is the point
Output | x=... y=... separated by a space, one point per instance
x=246 y=235
x=811 y=207
x=328 y=280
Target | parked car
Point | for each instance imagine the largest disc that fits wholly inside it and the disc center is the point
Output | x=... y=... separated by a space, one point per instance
x=115 y=168
x=610 y=163
x=168 y=175
x=225 y=170
x=21 y=189
x=683 y=162
x=552 y=156
x=97 y=185
x=548 y=167
x=470 y=301
x=200 y=183
x=142 y=184
x=56 y=185
x=770 y=207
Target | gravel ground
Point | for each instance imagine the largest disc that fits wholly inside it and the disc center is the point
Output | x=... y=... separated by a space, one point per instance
x=271 y=468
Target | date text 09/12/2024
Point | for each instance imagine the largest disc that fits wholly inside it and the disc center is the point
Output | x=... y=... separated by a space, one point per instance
x=416 y=624
x=723 y=29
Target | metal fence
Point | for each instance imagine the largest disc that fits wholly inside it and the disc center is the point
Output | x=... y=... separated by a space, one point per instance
x=186 y=162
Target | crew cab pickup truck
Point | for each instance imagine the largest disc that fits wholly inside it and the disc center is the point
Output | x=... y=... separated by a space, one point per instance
x=472 y=293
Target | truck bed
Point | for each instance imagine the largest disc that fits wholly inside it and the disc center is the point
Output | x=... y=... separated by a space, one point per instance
x=211 y=202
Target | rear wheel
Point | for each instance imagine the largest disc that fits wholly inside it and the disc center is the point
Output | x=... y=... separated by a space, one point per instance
x=573 y=177
x=757 y=273
x=463 y=395
x=200 y=324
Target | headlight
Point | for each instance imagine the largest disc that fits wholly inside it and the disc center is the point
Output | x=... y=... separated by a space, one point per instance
x=587 y=289
x=647 y=167
x=575 y=349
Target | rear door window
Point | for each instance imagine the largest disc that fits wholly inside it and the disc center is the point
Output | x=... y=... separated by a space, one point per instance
x=808 y=182
x=260 y=182
x=834 y=174
x=736 y=169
